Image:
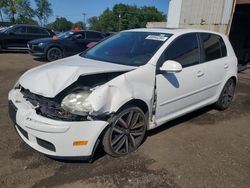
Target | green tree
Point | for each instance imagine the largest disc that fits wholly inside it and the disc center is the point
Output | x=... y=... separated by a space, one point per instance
x=10 y=8
x=17 y=9
x=94 y=23
x=124 y=16
x=43 y=11
x=3 y=4
x=60 y=24
x=151 y=14
x=24 y=12
x=105 y=22
x=79 y=24
x=24 y=20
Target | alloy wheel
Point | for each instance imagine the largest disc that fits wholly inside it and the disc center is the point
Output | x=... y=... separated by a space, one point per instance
x=228 y=93
x=54 y=54
x=128 y=132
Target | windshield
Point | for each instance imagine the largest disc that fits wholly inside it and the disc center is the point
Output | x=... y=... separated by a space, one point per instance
x=5 y=28
x=66 y=35
x=128 y=48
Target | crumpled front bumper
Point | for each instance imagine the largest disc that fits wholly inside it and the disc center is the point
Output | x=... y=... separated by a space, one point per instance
x=52 y=137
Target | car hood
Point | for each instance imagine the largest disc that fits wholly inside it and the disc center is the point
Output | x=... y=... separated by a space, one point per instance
x=44 y=40
x=50 y=79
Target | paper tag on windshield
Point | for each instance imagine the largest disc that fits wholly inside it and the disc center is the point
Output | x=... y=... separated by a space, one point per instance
x=157 y=37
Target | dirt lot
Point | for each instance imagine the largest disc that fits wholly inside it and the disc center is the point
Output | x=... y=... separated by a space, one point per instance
x=204 y=149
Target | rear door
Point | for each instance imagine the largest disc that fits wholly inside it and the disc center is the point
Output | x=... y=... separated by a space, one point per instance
x=178 y=93
x=214 y=55
x=36 y=33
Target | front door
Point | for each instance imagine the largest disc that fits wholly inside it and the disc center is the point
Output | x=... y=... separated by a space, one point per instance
x=76 y=44
x=16 y=38
x=180 y=92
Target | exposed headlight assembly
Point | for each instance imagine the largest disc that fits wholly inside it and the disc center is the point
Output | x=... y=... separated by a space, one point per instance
x=76 y=103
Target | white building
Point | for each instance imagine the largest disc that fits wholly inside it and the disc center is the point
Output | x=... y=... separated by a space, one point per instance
x=231 y=17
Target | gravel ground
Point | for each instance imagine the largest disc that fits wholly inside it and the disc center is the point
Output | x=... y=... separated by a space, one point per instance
x=206 y=148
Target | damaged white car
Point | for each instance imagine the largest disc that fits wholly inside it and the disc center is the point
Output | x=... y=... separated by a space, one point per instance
x=114 y=92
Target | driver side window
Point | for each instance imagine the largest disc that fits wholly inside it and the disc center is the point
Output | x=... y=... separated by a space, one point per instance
x=184 y=50
x=79 y=36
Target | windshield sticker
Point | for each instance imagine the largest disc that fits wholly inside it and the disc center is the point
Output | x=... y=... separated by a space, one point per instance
x=157 y=37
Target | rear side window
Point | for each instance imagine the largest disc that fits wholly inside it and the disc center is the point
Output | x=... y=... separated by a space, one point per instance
x=43 y=31
x=183 y=50
x=93 y=35
x=33 y=30
x=213 y=46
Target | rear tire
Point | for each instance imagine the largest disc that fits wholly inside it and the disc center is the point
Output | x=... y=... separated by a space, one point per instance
x=226 y=95
x=54 y=53
x=126 y=132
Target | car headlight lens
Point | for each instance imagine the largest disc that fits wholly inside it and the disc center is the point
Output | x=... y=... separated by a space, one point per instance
x=41 y=44
x=76 y=103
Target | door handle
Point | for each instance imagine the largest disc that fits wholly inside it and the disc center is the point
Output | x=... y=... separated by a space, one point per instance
x=225 y=66
x=200 y=73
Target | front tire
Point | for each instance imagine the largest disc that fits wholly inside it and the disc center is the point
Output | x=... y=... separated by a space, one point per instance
x=54 y=53
x=126 y=132
x=226 y=95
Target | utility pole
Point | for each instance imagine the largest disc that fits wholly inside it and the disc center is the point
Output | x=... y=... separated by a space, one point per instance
x=119 y=26
x=84 y=17
x=1 y=15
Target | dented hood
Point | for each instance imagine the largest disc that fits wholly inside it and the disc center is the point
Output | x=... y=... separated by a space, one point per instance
x=50 y=79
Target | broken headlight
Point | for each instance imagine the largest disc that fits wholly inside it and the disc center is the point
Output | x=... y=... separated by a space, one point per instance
x=76 y=103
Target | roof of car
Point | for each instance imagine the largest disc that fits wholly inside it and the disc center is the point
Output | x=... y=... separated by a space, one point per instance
x=172 y=30
x=27 y=25
x=85 y=31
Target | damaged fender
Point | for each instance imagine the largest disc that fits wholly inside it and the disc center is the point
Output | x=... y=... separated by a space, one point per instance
x=136 y=84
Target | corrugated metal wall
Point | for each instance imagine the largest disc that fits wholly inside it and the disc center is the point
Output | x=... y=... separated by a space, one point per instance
x=206 y=11
x=206 y=14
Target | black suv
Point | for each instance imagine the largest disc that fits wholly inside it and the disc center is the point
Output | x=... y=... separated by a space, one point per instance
x=17 y=36
x=66 y=44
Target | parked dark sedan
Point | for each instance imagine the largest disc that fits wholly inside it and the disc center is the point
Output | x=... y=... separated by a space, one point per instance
x=66 y=44
x=17 y=36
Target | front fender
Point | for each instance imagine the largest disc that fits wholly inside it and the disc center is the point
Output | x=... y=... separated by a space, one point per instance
x=136 y=84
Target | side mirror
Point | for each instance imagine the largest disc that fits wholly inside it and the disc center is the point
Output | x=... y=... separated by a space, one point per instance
x=171 y=66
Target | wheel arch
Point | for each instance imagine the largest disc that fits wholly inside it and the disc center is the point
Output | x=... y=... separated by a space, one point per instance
x=133 y=102
x=234 y=77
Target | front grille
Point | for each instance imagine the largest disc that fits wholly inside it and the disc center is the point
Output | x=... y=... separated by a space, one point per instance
x=12 y=111
x=45 y=144
x=49 y=107
x=23 y=132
